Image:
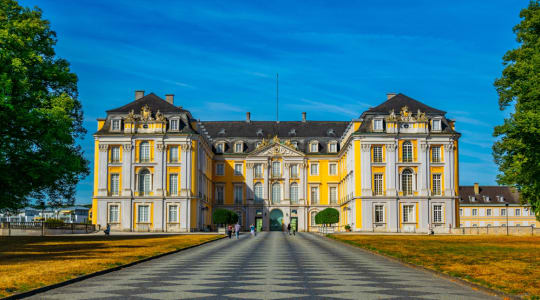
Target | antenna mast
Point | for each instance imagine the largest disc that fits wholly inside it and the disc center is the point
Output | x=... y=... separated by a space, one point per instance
x=277 y=97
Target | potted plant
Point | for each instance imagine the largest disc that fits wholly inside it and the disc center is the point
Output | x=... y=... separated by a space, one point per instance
x=348 y=228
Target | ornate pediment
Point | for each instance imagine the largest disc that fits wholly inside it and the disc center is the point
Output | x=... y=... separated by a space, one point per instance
x=406 y=116
x=276 y=149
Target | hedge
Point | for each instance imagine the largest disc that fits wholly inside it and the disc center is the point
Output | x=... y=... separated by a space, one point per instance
x=327 y=216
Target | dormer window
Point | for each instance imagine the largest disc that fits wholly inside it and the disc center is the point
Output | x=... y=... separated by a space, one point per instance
x=174 y=124
x=472 y=198
x=486 y=199
x=500 y=198
x=239 y=147
x=258 y=144
x=377 y=125
x=332 y=147
x=292 y=132
x=331 y=132
x=115 y=126
x=436 y=125
x=295 y=144
x=259 y=132
x=221 y=131
x=314 y=147
x=220 y=147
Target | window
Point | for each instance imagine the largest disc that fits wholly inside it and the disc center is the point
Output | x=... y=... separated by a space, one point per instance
x=436 y=125
x=406 y=182
x=174 y=125
x=142 y=214
x=258 y=171
x=294 y=192
x=294 y=171
x=173 y=154
x=295 y=144
x=407 y=152
x=378 y=124
x=115 y=154
x=332 y=169
x=503 y=211
x=378 y=184
x=220 y=147
x=436 y=184
x=314 y=195
x=220 y=169
x=333 y=195
x=314 y=147
x=237 y=169
x=220 y=194
x=114 y=216
x=276 y=193
x=379 y=213
x=517 y=212
x=437 y=213
x=332 y=147
x=173 y=213
x=313 y=214
x=531 y=212
x=475 y=212
x=145 y=152
x=144 y=182
x=258 y=192
x=408 y=213
x=488 y=212
x=474 y=225
x=238 y=147
x=115 y=125
x=238 y=194
x=115 y=184
x=276 y=169
x=173 y=184
x=314 y=169
x=436 y=154
x=461 y=212
x=377 y=154
x=239 y=213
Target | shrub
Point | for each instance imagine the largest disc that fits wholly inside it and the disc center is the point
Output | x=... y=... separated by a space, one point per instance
x=347 y=227
x=224 y=216
x=51 y=223
x=327 y=216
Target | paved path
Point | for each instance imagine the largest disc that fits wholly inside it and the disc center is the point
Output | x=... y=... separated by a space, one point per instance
x=269 y=266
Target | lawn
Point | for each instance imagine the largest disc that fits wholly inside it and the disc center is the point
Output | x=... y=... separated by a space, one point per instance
x=506 y=263
x=31 y=262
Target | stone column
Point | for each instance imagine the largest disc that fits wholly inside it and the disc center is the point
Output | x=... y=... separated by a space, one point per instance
x=249 y=181
x=448 y=165
x=302 y=187
x=185 y=170
x=158 y=176
x=391 y=170
x=423 y=173
x=366 y=169
x=126 y=170
x=102 y=169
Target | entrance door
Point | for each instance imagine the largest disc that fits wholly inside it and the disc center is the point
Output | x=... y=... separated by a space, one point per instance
x=294 y=224
x=276 y=220
x=258 y=224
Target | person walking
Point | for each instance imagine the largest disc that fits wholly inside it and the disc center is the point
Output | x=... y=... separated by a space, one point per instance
x=229 y=231
x=289 y=228
x=252 y=229
x=237 y=230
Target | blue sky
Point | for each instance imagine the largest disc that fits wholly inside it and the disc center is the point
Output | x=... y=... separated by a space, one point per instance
x=334 y=61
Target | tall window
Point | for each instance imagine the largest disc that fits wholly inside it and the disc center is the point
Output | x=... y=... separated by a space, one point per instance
x=378 y=124
x=115 y=125
x=407 y=152
x=174 y=125
x=238 y=147
x=488 y=212
x=475 y=212
x=379 y=213
x=314 y=195
x=406 y=182
x=115 y=154
x=220 y=169
x=294 y=192
x=503 y=212
x=377 y=184
x=238 y=194
x=114 y=213
x=173 y=153
x=220 y=147
x=437 y=184
x=145 y=152
x=377 y=154
x=461 y=212
x=144 y=182
x=276 y=169
x=115 y=184
x=436 y=125
x=143 y=214
x=436 y=154
x=437 y=213
x=258 y=171
x=408 y=213
x=276 y=193
x=220 y=194
x=258 y=192
x=294 y=171
x=173 y=213
x=238 y=169
x=333 y=195
x=173 y=184
x=313 y=214
x=314 y=170
x=239 y=213
x=517 y=212
x=314 y=147
x=332 y=169
x=332 y=147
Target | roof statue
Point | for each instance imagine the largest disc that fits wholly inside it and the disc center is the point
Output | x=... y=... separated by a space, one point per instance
x=146 y=114
x=159 y=116
x=392 y=117
x=421 y=116
x=275 y=140
x=131 y=116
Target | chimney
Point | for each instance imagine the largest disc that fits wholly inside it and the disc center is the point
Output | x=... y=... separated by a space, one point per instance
x=304 y=117
x=390 y=95
x=169 y=98
x=476 y=189
x=139 y=95
x=248 y=117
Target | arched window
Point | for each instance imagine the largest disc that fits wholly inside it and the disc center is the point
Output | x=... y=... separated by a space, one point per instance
x=294 y=192
x=144 y=154
x=406 y=182
x=276 y=193
x=407 y=152
x=144 y=182
x=313 y=214
x=258 y=192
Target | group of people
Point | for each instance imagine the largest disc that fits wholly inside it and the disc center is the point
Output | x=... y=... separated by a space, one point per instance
x=237 y=227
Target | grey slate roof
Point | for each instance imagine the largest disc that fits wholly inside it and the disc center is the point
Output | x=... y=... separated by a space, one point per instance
x=400 y=100
x=153 y=101
x=283 y=129
x=509 y=194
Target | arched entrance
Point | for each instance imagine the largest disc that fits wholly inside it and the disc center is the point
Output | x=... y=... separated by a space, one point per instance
x=276 y=220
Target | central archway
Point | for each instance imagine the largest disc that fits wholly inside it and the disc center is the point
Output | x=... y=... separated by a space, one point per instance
x=276 y=220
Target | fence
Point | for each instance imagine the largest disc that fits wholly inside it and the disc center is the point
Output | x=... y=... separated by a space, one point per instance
x=500 y=230
x=44 y=228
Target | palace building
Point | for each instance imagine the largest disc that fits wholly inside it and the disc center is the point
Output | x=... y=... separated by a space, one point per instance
x=394 y=169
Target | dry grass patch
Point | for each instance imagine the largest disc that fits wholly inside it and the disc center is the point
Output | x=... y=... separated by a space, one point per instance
x=507 y=263
x=31 y=262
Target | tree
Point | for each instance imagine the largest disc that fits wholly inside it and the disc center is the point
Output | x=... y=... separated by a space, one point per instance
x=517 y=151
x=327 y=216
x=40 y=115
x=224 y=216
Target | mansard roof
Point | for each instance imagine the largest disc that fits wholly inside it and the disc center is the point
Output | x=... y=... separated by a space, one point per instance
x=510 y=195
x=283 y=129
x=153 y=101
x=401 y=100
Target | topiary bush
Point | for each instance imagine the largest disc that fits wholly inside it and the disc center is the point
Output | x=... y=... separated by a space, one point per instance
x=224 y=216
x=327 y=216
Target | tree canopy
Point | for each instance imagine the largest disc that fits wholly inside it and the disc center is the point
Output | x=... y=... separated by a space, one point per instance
x=327 y=216
x=40 y=115
x=224 y=216
x=517 y=151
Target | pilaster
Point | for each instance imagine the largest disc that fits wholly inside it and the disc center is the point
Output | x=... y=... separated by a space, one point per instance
x=126 y=170
x=365 y=157
x=449 y=158
x=391 y=170
x=249 y=181
x=158 y=176
x=102 y=169
x=423 y=172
